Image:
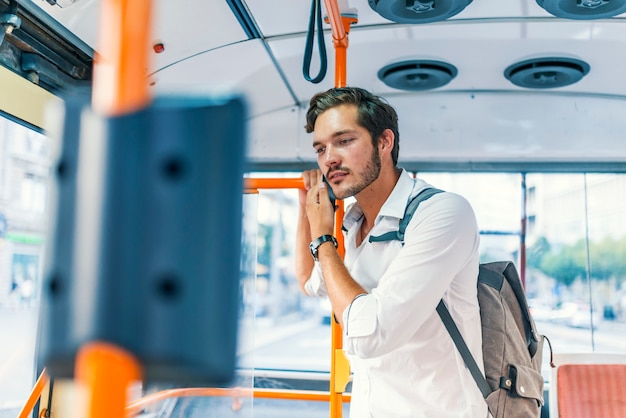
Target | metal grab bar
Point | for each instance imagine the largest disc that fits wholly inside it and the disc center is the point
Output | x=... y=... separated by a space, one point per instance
x=120 y=83
x=136 y=406
x=340 y=26
x=339 y=371
x=235 y=393
x=100 y=353
x=339 y=367
x=252 y=184
x=35 y=394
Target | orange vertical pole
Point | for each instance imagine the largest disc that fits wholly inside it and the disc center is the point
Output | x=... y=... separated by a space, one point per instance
x=340 y=26
x=106 y=372
x=339 y=368
x=121 y=64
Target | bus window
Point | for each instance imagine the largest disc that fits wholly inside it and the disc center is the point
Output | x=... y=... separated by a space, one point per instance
x=576 y=257
x=25 y=157
x=560 y=224
x=497 y=203
x=291 y=331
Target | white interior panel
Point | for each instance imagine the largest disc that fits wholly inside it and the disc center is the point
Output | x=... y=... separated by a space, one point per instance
x=531 y=127
x=276 y=136
x=244 y=67
x=187 y=31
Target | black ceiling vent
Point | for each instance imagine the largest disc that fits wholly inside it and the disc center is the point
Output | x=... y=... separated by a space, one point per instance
x=417 y=75
x=546 y=73
x=584 y=9
x=418 y=11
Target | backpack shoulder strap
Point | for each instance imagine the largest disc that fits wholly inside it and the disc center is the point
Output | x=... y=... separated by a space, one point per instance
x=464 y=350
x=408 y=214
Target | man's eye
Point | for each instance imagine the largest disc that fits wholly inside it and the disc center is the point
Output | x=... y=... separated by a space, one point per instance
x=345 y=141
x=319 y=150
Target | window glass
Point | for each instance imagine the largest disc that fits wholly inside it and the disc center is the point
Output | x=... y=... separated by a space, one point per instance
x=291 y=330
x=497 y=203
x=566 y=214
x=577 y=260
x=24 y=169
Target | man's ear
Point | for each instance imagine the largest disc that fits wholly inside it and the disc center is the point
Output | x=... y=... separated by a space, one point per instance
x=386 y=141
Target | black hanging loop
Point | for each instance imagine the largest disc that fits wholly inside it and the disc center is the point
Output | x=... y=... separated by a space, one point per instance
x=315 y=20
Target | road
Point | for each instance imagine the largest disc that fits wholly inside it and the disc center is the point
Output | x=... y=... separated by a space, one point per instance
x=608 y=337
x=301 y=344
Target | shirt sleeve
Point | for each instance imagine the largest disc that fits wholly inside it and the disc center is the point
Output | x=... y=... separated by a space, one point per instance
x=315 y=286
x=441 y=244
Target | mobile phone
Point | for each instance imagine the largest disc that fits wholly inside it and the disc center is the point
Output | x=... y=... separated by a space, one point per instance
x=331 y=194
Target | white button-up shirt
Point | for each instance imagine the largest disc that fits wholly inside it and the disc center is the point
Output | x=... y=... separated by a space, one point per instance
x=404 y=361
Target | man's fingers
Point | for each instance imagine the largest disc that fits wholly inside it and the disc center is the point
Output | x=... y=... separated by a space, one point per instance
x=310 y=178
x=322 y=188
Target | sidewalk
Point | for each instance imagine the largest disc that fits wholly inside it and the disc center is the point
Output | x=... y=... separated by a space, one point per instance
x=255 y=333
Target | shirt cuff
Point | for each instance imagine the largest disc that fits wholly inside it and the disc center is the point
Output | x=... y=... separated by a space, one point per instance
x=315 y=285
x=359 y=318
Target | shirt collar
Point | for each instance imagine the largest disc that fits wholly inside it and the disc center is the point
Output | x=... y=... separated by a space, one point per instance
x=396 y=202
x=394 y=206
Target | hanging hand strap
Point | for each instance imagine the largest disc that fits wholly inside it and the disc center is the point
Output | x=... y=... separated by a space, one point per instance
x=315 y=20
x=470 y=363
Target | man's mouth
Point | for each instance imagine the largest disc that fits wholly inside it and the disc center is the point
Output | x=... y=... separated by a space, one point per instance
x=336 y=175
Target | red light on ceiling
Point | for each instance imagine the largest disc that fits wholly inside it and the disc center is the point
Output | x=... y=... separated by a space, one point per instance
x=158 y=47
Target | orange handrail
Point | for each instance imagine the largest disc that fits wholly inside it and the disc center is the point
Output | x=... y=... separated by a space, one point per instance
x=272 y=183
x=339 y=367
x=121 y=64
x=335 y=397
x=106 y=371
x=340 y=26
x=35 y=394
x=138 y=405
x=120 y=86
x=235 y=393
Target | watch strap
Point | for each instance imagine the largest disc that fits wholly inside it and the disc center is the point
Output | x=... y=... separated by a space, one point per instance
x=315 y=244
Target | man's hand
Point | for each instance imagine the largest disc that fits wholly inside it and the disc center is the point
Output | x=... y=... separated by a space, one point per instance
x=309 y=177
x=319 y=209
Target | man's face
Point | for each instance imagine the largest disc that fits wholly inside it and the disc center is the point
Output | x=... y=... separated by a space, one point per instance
x=345 y=152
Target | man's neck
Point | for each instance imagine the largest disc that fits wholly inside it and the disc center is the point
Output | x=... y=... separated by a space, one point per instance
x=372 y=198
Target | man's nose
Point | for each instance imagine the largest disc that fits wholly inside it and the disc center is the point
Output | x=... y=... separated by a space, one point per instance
x=331 y=158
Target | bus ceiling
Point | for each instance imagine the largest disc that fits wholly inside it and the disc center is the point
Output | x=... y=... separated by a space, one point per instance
x=490 y=85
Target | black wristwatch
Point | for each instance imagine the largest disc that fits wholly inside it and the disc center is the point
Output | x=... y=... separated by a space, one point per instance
x=315 y=245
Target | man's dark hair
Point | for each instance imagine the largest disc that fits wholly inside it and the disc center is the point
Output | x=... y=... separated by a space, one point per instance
x=373 y=112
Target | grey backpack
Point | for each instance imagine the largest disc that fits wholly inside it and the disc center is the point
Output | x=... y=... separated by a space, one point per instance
x=512 y=348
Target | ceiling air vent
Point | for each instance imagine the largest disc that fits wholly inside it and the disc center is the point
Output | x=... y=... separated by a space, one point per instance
x=418 y=11
x=417 y=75
x=546 y=73
x=583 y=9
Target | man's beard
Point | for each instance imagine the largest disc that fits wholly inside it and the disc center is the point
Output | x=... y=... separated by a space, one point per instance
x=369 y=174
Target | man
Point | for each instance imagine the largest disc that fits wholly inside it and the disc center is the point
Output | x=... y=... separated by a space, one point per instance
x=384 y=294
